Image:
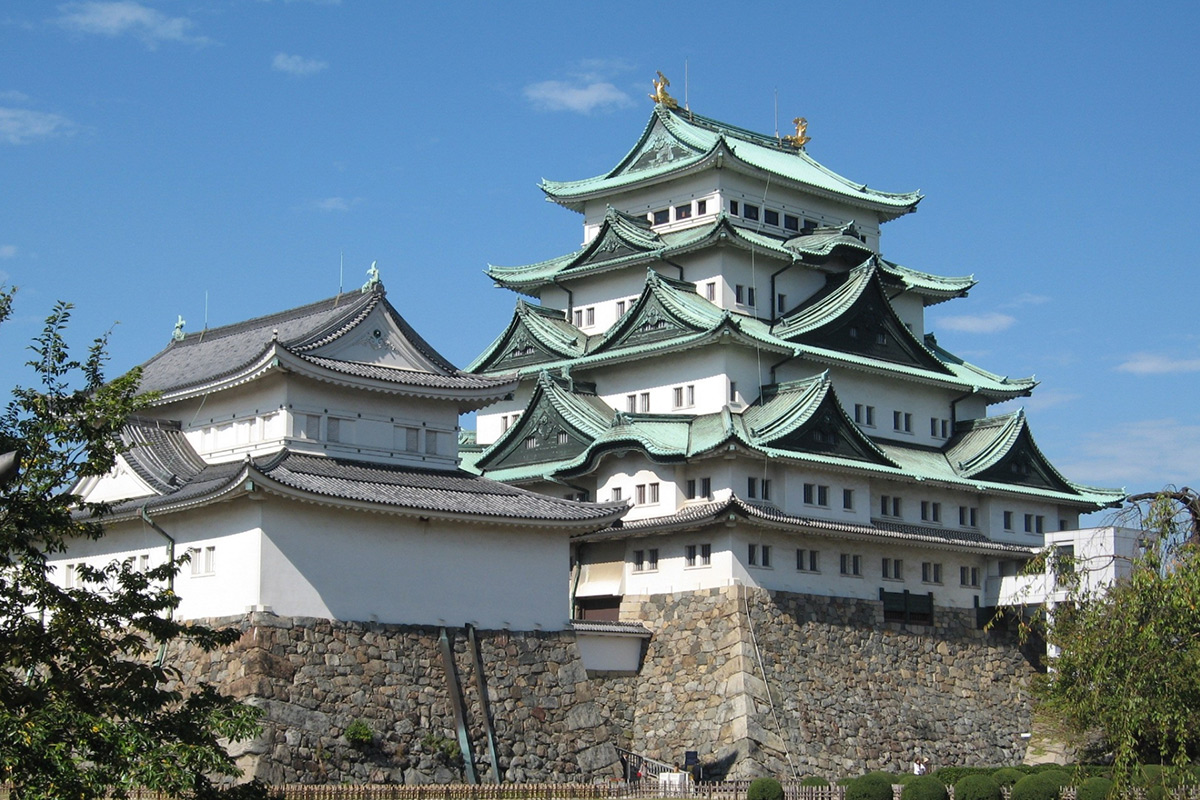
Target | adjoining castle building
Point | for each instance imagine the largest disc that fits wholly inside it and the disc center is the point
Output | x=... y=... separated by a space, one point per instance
x=730 y=350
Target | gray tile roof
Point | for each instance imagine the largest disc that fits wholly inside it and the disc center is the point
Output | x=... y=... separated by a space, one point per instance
x=169 y=464
x=210 y=355
x=611 y=626
x=769 y=515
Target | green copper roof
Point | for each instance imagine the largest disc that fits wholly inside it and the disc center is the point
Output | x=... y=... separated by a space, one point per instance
x=677 y=141
x=801 y=422
x=535 y=334
x=934 y=288
x=671 y=316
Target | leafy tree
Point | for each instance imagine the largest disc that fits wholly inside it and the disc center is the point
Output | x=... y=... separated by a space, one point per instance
x=1128 y=662
x=86 y=709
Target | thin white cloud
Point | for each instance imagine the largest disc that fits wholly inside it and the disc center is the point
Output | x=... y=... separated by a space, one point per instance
x=8 y=251
x=1142 y=455
x=297 y=65
x=1158 y=364
x=13 y=96
x=335 y=204
x=125 y=17
x=22 y=126
x=582 y=98
x=1027 y=299
x=993 y=322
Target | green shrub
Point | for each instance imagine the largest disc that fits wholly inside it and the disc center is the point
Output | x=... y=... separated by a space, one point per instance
x=358 y=733
x=1007 y=776
x=1148 y=775
x=977 y=787
x=925 y=787
x=907 y=778
x=1093 y=789
x=1039 y=786
x=813 y=780
x=874 y=786
x=950 y=776
x=890 y=777
x=765 y=789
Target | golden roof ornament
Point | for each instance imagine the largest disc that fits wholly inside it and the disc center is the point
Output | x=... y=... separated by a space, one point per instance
x=799 y=140
x=660 y=96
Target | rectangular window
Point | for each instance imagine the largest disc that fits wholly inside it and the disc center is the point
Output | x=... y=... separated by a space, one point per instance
x=683 y=212
x=689 y=555
x=706 y=488
x=1029 y=523
x=701 y=206
x=739 y=293
x=691 y=395
x=781 y=303
x=968 y=516
x=1008 y=522
x=645 y=404
x=202 y=562
x=930 y=511
x=766 y=489
x=945 y=429
x=662 y=216
x=620 y=308
x=639 y=494
x=631 y=403
x=889 y=506
x=766 y=555
x=808 y=560
x=579 y=318
x=654 y=492
x=733 y=208
x=893 y=569
x=902 y=421
x=851 y=564
x=848 y=499
x=333 y=429
x=616 y=494
x=751 y=487
x=770 y=217
x=691 y=489
x=733 y=391
x=968 y=576
x=752 y=555
x=144 y=563
x=645 y=560
x=931 y=572
x=864 y=415
x=810 y=494
x=71 y=575
x=431 y=442
x=750 y=212
x=933 y=426
x=791 y=223
x=710 y=291
x=677 y=395
x=590 y=315
x=699 y=555
x=1039 y=524
x=750 y=296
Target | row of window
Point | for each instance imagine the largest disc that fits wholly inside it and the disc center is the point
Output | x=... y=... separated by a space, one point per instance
x=203 y=561
x=770 y=216
x=931 y=511
x=685 y=211
x=902 y=421
x=643 y=493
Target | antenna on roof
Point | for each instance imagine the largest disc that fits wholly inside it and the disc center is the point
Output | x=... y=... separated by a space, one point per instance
x=686 y=107
x=776 y=112
x=341 y=269
x=206 y=309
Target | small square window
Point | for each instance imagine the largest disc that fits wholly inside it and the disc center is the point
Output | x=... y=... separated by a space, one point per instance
x=750 y=212
x=701 y=206
x=710 y=291
x=771 y=217
x=791 y=223
x=848 y=499
x=733 y=208
x=662 y=216
x=683 y=212
x=620 y=308
x=645 y=402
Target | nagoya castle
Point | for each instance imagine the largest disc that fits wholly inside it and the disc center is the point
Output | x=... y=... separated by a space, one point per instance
x=821 y=512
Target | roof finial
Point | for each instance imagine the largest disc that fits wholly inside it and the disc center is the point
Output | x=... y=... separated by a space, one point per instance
x=660 y=96
x=372 y=278
x=178 y=335
x=799 y=140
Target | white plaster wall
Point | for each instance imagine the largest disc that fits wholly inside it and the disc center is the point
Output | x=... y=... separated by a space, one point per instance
x=362 y=566
x=1102 y=556
x=910 y=308
x=233 y=529
x=609 y=652
x=488 y=423
x=709 y=369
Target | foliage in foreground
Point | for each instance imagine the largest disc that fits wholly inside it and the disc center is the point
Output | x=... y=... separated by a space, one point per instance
x=85 y=707
x=977 y=787
x=765 y=789
x=1128 y=656
x=925 y=787
x=873 y=786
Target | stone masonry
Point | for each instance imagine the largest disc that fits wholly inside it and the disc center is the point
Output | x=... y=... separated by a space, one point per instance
x=313 y=677
x=844 y=691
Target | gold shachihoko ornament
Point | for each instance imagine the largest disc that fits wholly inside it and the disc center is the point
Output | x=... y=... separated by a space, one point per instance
x=799 y=140
x=660 y=92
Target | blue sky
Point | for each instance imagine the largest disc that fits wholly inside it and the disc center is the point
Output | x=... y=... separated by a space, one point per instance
x=155 y=154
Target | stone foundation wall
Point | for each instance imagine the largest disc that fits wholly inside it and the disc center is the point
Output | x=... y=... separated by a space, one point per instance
x=313 y=678
x=844 y=691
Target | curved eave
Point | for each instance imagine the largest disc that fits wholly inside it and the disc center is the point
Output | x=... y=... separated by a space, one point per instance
x=261 y=364
x=575 y=194
x=545 y=334
x=164 y=504
x=715 y=513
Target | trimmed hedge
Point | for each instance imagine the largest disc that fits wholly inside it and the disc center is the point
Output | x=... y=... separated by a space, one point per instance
x=1040 y=786
x=870 y=787
x=765 y=789
x=813 y=780
x=1093 y=789
x=925 y=787
x=977 y=787
x=952 y=775
x=1007 y=776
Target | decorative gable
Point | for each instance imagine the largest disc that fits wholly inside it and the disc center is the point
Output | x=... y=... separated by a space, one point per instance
x=1025 y=465
x=658 y=149
x=377 y=339
x=809 y=419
